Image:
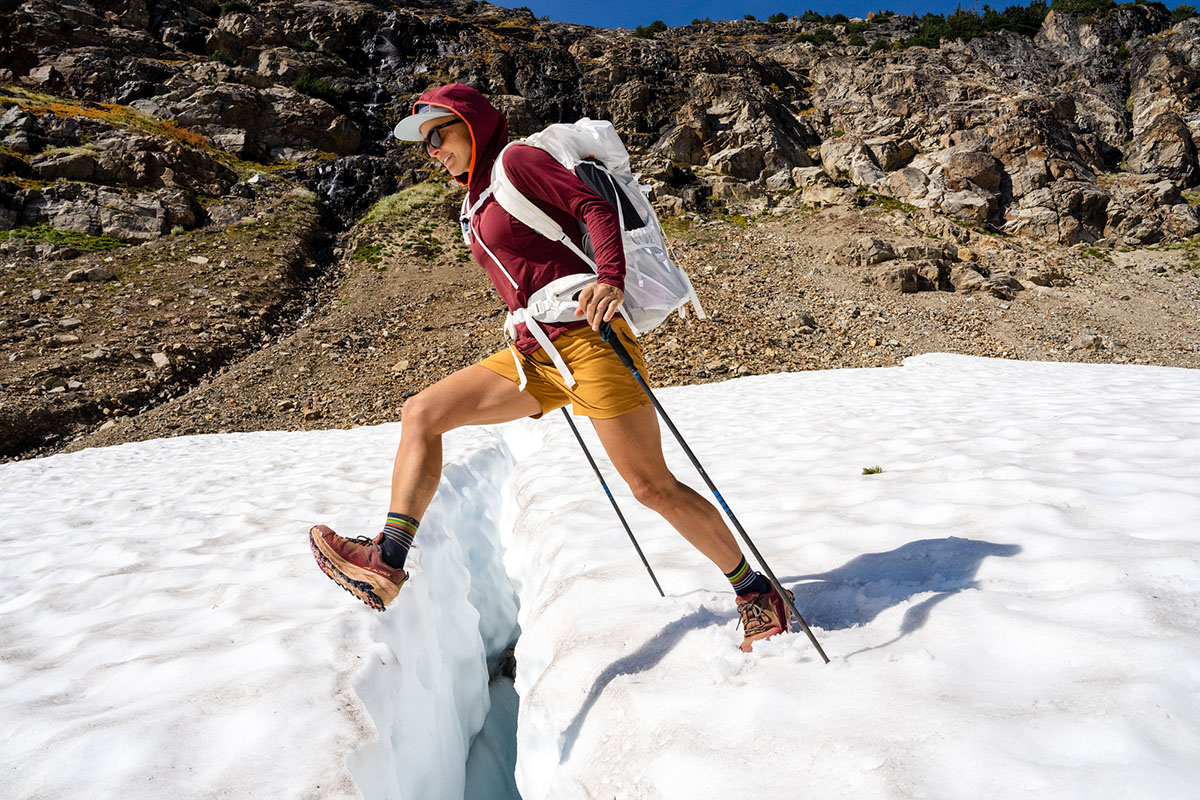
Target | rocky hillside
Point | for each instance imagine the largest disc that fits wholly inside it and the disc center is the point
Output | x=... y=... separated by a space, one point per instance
x=203 y=225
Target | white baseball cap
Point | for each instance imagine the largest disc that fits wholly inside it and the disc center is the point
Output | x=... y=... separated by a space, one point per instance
x=409 y=129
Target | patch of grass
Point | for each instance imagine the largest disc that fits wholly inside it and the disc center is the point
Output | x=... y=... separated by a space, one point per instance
x=1192 y=197
x=370 y=253
x=872 y=470
x=676 y=227
x=396 y=207
x=889 y=203
x=819 y=36
x=223 y=57
x=45 y=233
x=1094 y=252
x=111 y=113
x=737 y=220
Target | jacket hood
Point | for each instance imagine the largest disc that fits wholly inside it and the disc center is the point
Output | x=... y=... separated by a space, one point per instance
x=488 y=127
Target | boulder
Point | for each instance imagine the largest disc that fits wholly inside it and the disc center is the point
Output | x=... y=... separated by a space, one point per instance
x=75 y=166
x=682 y=144
x=971 y=170
x=1166 y=148
x=909 y=184
x=975 y=206
x=739 y=162
x=823 y=196
x=903 y=278
x=970 y=278
x=890 y=153
x=849 y=157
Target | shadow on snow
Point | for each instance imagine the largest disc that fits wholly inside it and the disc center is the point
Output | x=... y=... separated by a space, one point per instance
x=864 y=587
x=853 y=594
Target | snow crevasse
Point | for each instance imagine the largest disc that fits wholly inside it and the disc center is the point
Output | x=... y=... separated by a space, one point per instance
x=426 y=686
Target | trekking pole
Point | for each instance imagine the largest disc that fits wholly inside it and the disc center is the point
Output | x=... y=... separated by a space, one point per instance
x=612 y=500
x=606 y=333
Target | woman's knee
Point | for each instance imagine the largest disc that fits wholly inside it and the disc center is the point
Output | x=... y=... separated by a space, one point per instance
x=654 y=492
x=421 y=412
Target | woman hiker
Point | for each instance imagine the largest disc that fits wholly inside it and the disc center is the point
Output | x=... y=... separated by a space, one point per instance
x=465 y=133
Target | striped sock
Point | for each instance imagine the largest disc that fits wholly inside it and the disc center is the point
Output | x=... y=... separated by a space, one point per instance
x=398 y=536
x=746 y=580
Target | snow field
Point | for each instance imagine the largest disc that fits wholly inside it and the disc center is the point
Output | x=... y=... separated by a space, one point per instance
x=165 y=632
x=1010 y=606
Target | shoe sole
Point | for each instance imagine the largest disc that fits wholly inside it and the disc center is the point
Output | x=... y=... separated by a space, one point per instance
x=367 y=586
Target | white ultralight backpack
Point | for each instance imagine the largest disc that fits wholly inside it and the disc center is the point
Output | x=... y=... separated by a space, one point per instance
x=654 y=285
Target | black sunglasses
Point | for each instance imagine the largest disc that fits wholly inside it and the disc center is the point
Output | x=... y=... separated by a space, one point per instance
x=433 y=139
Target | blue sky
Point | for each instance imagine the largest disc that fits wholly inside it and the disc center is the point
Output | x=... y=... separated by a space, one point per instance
x=631 y=13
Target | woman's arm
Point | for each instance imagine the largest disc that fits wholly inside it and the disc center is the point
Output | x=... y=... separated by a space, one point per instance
x=537 y=175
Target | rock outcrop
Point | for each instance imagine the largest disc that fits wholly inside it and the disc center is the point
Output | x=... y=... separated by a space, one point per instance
x=1061 y=136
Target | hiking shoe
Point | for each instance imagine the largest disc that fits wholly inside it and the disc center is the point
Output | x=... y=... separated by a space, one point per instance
x=357 y=566
x=763 y=616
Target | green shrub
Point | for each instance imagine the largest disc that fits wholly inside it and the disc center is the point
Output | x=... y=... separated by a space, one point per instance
x=309 y=46
x=236 y=7
x=1095 y=9
x=750 y=18
x=1181 y=13
x=316 y=87
x=857 y=40
x=812 y=16
x=648 y=31
x=223 y=57
x=777 y=18
x=819 y=36
x=966 y=25
x=877 y=45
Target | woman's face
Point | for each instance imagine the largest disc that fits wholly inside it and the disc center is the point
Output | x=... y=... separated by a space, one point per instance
x=454 y=153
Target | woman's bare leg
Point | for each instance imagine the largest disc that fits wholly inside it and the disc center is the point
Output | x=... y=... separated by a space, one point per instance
x=471 y=396
x=634 y=444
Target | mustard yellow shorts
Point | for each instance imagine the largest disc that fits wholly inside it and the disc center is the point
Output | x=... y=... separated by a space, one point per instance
x=604 y=387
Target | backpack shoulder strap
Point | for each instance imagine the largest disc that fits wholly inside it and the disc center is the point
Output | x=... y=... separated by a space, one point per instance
x=526 y=211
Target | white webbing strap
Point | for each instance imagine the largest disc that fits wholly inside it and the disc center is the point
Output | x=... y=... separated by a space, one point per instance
x=521 y=379
x=521 y=315
x=495 y=260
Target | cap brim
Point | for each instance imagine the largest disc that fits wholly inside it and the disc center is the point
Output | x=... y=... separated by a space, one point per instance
x=409 y=129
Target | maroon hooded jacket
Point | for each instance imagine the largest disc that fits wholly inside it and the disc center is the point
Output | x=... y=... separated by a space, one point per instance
x=531 y=259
